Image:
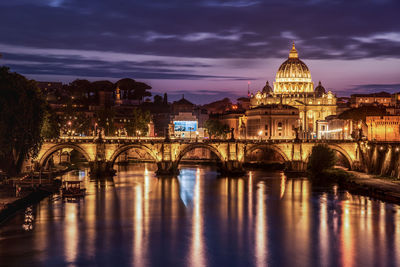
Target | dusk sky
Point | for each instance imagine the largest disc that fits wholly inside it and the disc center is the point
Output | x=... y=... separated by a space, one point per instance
x=205 y=49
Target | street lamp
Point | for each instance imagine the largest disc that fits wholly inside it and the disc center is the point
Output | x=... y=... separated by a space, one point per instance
x=260 y=132
x=197 y=136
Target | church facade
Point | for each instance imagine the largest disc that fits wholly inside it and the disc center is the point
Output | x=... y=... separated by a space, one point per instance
x=294 y=87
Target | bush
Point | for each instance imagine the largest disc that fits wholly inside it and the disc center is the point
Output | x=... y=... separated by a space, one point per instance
x=336 y=175
x=322 y=158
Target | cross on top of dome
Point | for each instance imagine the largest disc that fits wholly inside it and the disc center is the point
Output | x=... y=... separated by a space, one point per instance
x=293 y=52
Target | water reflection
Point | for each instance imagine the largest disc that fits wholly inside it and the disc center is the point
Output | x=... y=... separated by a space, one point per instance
x=261 y=227
x=199 y=219
x=197 y=253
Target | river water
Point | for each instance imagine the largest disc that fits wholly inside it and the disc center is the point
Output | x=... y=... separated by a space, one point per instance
x=199 y=219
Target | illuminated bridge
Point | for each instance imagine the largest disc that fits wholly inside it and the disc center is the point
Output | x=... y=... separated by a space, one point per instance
x=167 y=154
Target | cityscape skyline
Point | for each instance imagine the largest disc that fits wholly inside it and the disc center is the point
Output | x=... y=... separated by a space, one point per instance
x=179 y=52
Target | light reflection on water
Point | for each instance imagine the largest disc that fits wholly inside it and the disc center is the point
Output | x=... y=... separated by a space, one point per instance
x=198 y=219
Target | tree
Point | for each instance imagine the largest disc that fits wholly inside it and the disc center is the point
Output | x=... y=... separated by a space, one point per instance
x=165 y=99
x=138 y=124
x=322 y=158
x=51 y=125
x=216 y=128
x=80 y=89
x=158 y=100
x=134 y=90
x=21 y=118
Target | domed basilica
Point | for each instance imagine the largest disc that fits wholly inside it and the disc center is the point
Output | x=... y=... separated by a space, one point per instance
x=294 y=87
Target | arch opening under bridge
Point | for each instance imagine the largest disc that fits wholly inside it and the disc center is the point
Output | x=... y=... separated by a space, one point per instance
x=50 y=152
x=137 y=147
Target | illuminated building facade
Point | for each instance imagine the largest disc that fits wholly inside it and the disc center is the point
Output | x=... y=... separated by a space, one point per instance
x=274 y=121
x=293 y=86
x=383 y=128
x=336 y=129
x=374 y=99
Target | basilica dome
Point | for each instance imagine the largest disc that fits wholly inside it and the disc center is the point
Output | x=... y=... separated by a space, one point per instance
x=267 y=89
x=293 y=76
x=320 y=90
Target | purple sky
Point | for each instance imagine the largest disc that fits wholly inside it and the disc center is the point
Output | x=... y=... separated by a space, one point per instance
x=205 y=49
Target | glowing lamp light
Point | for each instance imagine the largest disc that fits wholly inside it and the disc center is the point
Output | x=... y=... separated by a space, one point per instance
x=260 y=132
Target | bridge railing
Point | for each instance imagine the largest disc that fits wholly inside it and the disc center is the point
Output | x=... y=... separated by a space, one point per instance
x=124 y=139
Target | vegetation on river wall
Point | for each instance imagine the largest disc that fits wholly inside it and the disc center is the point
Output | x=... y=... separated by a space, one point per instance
x=321 y=165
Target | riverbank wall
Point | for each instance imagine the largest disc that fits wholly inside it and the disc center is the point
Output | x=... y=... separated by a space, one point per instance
x=372 y=186
x=32 y=198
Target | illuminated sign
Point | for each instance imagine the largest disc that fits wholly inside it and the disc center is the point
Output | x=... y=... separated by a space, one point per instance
x=185 y=126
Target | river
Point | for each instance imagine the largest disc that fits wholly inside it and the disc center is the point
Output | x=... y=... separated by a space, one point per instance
x=199 y=219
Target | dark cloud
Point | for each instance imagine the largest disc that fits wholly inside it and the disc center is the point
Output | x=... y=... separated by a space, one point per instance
x=373 y=88
x=214 y=29
x=205 y=28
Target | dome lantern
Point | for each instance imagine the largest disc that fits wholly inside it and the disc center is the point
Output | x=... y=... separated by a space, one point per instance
x=293 y=53
x=293 y=76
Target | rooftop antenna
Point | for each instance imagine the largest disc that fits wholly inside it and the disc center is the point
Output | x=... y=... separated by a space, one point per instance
x=248 y=88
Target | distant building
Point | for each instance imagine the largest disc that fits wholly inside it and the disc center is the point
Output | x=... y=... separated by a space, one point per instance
x=219 y=107
x=47 y=87
x=187 y=120
x=374 y=99
x=182 y=105
x=243 y=103
x=383 y=128
x=343 y=104
x=274 y=121
x=334 y=128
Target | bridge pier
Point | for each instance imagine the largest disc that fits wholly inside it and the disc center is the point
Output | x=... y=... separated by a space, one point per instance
x=101 y=169
x=232 y=168
x=167 y=168
x=296 y=166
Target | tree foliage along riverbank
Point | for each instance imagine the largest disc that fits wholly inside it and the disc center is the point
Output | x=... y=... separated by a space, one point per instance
x=22 y=112
x=321 y=165
x=322 y=158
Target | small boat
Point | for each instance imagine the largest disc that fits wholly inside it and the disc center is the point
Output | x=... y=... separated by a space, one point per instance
x=72 y=189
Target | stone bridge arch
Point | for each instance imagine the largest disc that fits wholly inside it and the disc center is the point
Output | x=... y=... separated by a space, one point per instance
x=336 y=148
x=343 y=152
x=125 y=148
x=190 y=147
x=275 y=148
x=50 y=151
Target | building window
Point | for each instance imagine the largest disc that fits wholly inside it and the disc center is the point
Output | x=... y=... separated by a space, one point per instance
x=279 y=126
x=266 y=127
